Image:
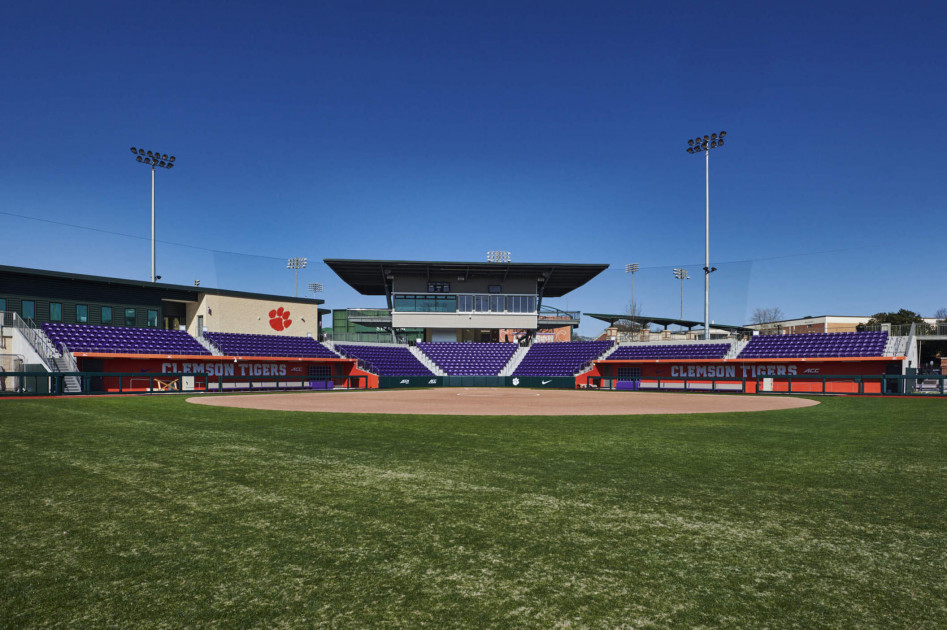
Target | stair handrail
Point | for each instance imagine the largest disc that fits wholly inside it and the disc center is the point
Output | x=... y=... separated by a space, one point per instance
x=70 y=360
x=41 y=344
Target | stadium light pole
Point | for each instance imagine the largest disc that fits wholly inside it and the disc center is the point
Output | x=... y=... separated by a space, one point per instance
x=315 y=287
x=632 y=268
x=681 y=274
x=153 y=159
x=696 y=145
x=297 y=264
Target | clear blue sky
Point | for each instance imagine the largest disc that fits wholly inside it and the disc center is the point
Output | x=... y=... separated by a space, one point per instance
x=441 y=130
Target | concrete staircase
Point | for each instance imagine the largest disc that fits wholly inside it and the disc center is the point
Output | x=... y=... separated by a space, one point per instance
x=426 y=361
x=735 y=349
x=896 y=346
x=70 y=384
x=514 y=362
x=210 y=347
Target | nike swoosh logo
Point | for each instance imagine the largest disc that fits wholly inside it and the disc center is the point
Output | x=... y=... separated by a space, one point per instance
x=544 y=382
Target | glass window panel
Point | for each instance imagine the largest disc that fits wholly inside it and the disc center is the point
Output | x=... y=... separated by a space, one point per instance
x=55 y=311
x=82 y=314
x=481 y=303
x=107 y=315
x=129 y=317
x=3 y=304
x=152 y=319
x=496 y=304
x=28 y=308
x=404 y=303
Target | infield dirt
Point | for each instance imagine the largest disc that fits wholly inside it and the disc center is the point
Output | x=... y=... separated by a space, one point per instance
x=505 y=402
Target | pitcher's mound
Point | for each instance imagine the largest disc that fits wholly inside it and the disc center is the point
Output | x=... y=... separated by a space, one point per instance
x=478 y=401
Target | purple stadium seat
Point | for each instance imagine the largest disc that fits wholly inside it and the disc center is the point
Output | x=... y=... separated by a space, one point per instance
x=469 y=359
x=246 y=345
x=816 y=345
x=665 y=351
x=121 y=340
x=560 y=359
x=385 y=360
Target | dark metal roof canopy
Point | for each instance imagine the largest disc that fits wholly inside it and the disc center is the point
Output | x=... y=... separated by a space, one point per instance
x=659 y=321
x=180 y=292
x=370 y=277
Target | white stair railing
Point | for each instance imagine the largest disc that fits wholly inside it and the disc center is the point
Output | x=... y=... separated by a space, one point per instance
x=514 y=362
x=38 y=340
x=209 y=345
x=427 y=361
x=68 y=360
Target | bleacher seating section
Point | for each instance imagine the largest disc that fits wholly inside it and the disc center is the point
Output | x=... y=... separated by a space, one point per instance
x=386 y=360
x=469 y=359
x=560 y=359
x=677 y=351
x=121 y=340
x=245 y=345
x=850 y=344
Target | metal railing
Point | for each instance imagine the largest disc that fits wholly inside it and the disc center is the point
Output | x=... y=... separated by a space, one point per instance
x=365 y=337
x=96 y=383
x=70 y=360
x=938 y=329
x=35 y=337
x=854 y=384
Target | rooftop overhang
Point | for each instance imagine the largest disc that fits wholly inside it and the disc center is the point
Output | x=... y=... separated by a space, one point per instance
x=645 y=320
x=371 y=277
x=166 y=292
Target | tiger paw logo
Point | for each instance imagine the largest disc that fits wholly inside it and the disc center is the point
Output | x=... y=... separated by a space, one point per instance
x=279 y=319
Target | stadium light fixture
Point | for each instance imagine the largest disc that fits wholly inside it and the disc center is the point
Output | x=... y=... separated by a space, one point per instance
x=159 y=160
x=315 y=287
x=498 y=256
x=696 y=146
x=632 y=268
x=681 y=274
x=297 y=264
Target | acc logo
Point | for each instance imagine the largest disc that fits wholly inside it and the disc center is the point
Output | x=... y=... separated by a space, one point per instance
x=405 y=381
x=279 y=319
x=433 y=381
x=811 y=371
x=516 y=382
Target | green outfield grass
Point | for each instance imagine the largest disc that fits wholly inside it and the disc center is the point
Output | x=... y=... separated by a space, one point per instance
x=149 y=511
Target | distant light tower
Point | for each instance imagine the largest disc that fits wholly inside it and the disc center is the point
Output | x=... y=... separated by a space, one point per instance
x=632 y=268
x=160 y=160
x=498 y=256
x=315 y=287
x=297 y=264
x=696 y=145
x=681 y=274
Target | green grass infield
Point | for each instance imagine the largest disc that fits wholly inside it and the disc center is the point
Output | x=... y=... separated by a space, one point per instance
x=152 y=512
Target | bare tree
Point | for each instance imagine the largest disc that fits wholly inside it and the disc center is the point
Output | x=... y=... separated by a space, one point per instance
x=941 y=314
x=767 y=315
x=632 y=322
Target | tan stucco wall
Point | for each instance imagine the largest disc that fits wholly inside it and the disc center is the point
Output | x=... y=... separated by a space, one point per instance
x=243 y=315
